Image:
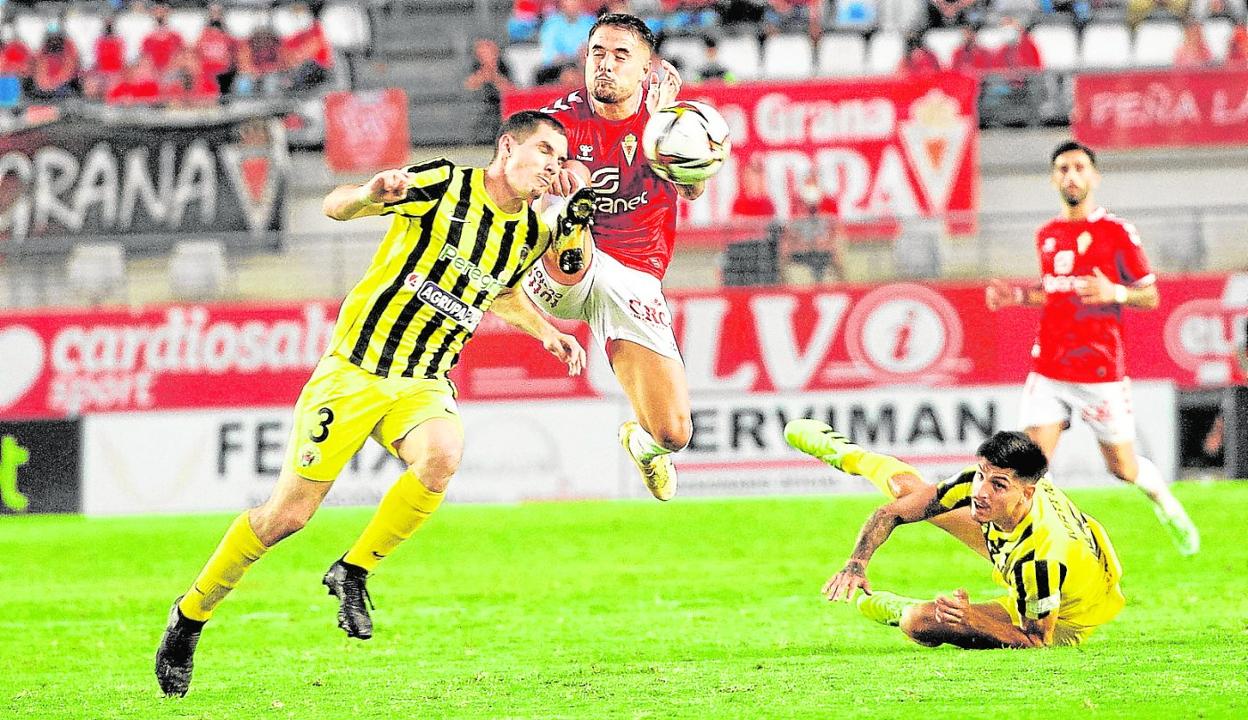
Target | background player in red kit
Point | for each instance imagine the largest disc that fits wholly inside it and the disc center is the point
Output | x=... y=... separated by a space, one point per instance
x=618 y=291
x=1092 y=265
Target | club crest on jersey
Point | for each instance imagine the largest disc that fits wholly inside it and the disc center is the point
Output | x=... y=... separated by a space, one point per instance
x=629 y=146
x=1083 y=241
x=585 y=152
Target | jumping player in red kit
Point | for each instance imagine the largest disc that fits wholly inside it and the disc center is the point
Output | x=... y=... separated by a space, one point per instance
x=1092 y=265
x=617 y=290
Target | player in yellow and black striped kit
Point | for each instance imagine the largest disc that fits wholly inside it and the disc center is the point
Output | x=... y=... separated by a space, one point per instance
x=1057 y=564
x=460 y=240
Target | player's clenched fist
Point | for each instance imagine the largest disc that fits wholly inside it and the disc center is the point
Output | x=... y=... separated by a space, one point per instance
x=387 y=186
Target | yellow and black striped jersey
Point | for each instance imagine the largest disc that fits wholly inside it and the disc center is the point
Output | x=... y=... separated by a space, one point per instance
x=449 y=251
x=1056 y=559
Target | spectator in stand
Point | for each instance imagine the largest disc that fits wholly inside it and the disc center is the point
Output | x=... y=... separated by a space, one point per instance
x=741 y=12
x=811 y=240
x=138 y=85
x=1138 y=10
x=1019 y=56
x=162 y=43
x=56 y=68
x=1193 y=52
x=218 y=50
x=1236 y=10
x=951 y=13
x=526 y=18
x=259 y=63
x=110 y=62
x=970 y=58
x=789 y=16
x=561 y=38
x=187 y=83
x=15 y=58
x=306 y=52
x=917 y=59
x=713 y=69
x=680 y=16
x=752 y=201
x=490 y=78
x=1237 y=53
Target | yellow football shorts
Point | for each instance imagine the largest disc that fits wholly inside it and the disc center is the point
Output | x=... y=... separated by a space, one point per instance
x=1066 y=633
x=342 y=405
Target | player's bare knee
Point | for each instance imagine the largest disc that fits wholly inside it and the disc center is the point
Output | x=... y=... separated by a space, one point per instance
x=919 y=623
x=674 y=435
x=435 y=470
x=273 y=523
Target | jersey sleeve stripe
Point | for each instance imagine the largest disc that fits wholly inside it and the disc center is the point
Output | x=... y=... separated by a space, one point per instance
x=427 y=182
x=956 y=491
x=530 y=241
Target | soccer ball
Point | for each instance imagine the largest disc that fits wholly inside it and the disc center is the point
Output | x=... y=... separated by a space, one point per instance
x=686 y=142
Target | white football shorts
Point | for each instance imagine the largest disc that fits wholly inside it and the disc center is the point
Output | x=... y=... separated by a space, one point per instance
x=1105 y=406
x=618 y=303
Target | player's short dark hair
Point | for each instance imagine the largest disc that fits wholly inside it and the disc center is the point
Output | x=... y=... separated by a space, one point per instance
x=1072 y=145
x=522 y=124
x=1013 y=450
x=625 y=21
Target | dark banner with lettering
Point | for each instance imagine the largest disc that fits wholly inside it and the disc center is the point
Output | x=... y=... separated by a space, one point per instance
x=81 y=176
x=39 y=467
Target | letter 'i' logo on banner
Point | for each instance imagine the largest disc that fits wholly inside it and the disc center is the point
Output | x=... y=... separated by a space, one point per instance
x=255 y=165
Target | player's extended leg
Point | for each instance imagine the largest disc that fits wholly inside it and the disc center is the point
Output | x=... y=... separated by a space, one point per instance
x=288 y=509
x=1122 y=461
x=986 y=626
x=1046 y=436
x=432 y=451
x=893 y=477
x=659 y=392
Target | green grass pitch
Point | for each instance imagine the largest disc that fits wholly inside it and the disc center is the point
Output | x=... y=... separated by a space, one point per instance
x=693 y=609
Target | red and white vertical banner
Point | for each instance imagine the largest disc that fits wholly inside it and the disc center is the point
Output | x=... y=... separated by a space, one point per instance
x=1184 y=108
x=366 y=131
x=883 y=149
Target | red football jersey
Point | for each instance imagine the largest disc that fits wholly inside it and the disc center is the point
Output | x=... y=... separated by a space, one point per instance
x=1078 y=342
x=636 y=218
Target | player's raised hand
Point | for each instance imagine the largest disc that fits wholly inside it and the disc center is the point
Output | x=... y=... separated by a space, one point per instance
x=572 y=177
x=568 y=350
x=952 y=609
x=1095 y=289
x=998 y=294
x=387 y=186
x=846 y=583
x=665 y=85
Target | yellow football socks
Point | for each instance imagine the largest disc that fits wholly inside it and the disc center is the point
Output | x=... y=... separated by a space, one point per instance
x=238 y=550
x=405 y=507
x=877 y=468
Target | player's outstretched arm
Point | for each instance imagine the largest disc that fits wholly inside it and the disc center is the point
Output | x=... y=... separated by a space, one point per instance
x=519 y=311
x=1096 y=289
x=919 y=505
x=347 y=202
x=1000 y=294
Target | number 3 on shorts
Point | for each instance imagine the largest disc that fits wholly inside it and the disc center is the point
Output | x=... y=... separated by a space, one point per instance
x=322 y=433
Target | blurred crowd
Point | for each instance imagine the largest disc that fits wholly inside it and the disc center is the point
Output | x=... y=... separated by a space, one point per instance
x=164 y=65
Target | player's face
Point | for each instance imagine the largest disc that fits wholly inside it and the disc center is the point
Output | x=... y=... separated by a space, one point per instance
x=531 y=166
x=1074 y=176
x=996 y=494
x=615 y=64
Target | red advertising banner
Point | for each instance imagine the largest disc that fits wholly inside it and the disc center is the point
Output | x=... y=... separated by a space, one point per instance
x=58 y=364
x=1163 y=108
x=366 y=130
x=883 y=149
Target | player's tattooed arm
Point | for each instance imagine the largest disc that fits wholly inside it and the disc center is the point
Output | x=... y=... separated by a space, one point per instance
x=513 y=306
x=1000 y=294
x=1097 y=289
x=914 y=507
x=347 y=202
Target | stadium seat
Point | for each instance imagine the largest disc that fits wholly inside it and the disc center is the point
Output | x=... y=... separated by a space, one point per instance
x=1058 y=46
x=31 y=29
x=83 y=29
x=842 y=55
x=523 y=59
x=991 y=37
x=97 y=271
x=347 y=28
x=739 y=53
x=188 y=24
x=1218 y=37
x=688 y=52
x=884 y=53
x=1156 y=42
x=902 y=15
x=132 y=27
x=283 y=20
x=943 y=41
x=788 y=57
x=1105 y=46
x=242 y=21
x=197 y=270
